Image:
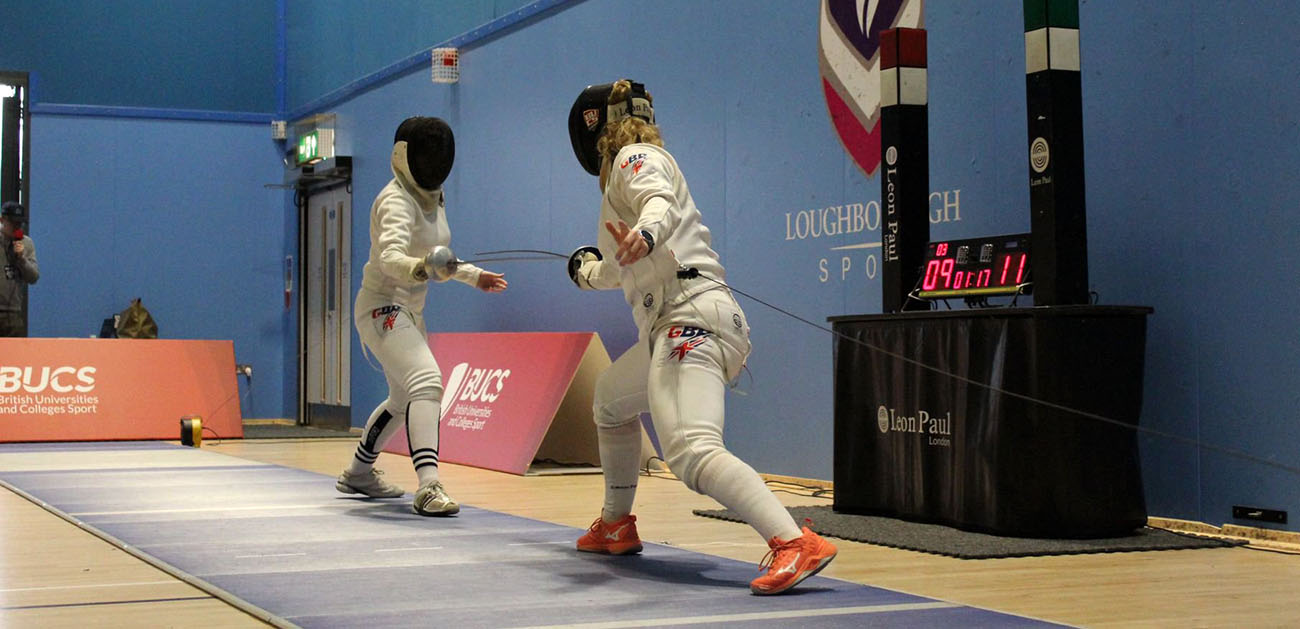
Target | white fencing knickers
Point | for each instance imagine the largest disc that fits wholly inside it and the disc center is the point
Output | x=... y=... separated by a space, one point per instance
x=680 y=374
x=397 y=338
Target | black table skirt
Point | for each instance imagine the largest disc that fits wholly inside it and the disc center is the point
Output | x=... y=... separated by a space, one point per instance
x=1047 y=449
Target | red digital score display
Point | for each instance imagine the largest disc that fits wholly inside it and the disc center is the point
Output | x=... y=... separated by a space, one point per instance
x=978 y=266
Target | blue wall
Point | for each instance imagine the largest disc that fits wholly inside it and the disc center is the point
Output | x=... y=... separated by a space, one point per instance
x=195 y=54
x=1181 y=138
x=175 y=213
x=218 y=55
x=333 y=42
x=749 y=129
x=1191 y=141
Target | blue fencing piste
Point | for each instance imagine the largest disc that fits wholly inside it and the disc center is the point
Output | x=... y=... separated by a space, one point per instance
x=283 y=543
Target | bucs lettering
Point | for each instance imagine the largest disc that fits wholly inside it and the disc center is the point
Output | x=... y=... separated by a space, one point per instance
x=480 y=384
x=468 y=399
x=63 y=379
x=694 y=337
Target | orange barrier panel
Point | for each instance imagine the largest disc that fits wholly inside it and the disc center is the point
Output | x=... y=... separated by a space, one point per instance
x=115 y=389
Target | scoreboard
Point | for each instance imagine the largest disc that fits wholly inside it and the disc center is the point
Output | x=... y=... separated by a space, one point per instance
x=996 y=265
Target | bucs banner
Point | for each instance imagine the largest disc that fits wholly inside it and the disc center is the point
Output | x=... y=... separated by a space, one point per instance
x=110 y=389
x=512 y=398
x=937 y=419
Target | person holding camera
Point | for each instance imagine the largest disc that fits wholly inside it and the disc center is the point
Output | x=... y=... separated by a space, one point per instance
x=18 y=256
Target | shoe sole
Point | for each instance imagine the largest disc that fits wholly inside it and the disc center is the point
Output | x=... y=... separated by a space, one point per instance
x=797 y=580
x=605 y=551
x=437 y=514
x=348 y=489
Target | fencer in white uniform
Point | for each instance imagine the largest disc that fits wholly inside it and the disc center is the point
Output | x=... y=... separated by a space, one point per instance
x=693 y=337
x=407 y=220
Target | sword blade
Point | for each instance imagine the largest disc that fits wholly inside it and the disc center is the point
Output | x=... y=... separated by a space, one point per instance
x=508 y=259
x=515 y=251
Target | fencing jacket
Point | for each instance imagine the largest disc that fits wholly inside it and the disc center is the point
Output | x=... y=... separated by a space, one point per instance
x=646 y=189
x=406 y=221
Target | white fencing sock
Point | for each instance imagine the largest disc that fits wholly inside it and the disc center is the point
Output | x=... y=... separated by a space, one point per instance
x=738 y=487
x=381 y=426
x=422 y=432
x=620 y=451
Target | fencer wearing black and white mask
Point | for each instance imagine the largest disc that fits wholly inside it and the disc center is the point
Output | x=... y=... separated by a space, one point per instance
x=407 y=221
x=693 y=337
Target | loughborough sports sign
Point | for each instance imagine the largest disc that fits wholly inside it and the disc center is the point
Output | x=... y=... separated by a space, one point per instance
x=849 y=58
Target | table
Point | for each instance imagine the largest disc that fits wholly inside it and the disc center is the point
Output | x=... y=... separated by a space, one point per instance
x=1009 y=421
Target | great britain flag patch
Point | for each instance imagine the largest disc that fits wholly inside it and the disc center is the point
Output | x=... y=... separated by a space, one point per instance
x=694 y=337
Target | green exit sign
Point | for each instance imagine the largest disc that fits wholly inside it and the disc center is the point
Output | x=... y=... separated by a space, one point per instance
x=309 y=148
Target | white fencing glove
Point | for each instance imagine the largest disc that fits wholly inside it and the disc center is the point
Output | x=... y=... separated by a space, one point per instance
x=580 y=256
x=419 y=270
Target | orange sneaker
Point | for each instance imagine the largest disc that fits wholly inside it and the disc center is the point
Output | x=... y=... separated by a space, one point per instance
x=790 y=562
x=618 y=538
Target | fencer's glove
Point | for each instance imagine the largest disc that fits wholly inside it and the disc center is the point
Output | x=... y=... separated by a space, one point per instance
x=580 y=256
x=420 y=271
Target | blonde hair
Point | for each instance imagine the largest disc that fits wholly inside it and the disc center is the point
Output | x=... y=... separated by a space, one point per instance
x=630 y=130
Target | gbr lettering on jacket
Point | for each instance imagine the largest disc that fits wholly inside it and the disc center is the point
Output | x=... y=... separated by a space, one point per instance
x=39 y=379
x=474 y=384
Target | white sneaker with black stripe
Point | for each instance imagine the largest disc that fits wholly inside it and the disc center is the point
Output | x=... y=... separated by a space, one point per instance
x=432 y=499
x=368 y=483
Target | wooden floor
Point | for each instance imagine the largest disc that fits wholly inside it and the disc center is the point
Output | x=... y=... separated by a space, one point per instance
x=53 y=574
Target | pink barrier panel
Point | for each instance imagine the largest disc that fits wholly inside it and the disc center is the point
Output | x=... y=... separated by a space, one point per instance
x=109 y=389
x=511 y=398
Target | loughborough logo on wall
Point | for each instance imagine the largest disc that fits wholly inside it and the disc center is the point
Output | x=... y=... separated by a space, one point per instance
x=849 y=58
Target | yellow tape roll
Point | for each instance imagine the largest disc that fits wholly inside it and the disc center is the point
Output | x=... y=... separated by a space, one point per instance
x=192 y=431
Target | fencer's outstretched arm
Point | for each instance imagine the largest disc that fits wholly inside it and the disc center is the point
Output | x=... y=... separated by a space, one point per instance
x=490 y=282
x=468 y=274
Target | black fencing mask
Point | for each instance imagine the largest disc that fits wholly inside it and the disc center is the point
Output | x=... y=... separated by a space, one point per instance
x=430 y=149
x=592 y=110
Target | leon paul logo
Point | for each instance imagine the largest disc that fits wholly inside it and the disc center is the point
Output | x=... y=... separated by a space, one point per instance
x=936 y=427
x=849 y=60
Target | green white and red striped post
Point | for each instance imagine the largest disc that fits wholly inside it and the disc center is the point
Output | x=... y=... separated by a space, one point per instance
x=1058 y=221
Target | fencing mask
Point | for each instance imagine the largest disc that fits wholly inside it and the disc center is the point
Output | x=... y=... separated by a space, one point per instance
x=592 y=110
x=430 y=149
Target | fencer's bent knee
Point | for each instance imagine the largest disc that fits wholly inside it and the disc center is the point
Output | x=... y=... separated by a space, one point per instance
x=607 y=416
x=606 y=409
x=686 y=463
x=424 y=384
